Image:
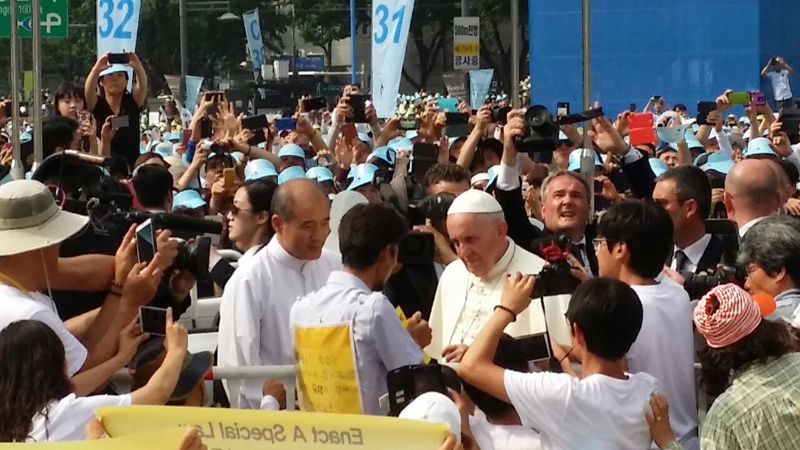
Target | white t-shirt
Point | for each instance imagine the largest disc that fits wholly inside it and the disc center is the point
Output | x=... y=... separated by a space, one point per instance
x=780 y=84
x=597 y=412
x=16 y=305
x=67 y=418
x=665 y=349
x=503 y=437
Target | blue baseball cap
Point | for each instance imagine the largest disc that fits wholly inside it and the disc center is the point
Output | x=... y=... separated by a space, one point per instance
x=718 y=162
x=411 y=134
x=492 y=174
x=114 y=68
x=173 y=137
x=164 y=149
x=658 y=166
x=291 y=173
x=384 y=154
x=759 y=146
x=292 y=150
x=401 y=143
x=364 y=137
x=258 y=169
x=575 y=160
x=320 y=174
x=188 y=198
x=363 y=174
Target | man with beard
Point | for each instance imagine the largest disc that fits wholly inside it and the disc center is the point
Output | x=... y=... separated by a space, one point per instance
x=351 y=301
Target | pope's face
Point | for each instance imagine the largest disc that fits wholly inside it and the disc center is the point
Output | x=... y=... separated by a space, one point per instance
x=479 y=240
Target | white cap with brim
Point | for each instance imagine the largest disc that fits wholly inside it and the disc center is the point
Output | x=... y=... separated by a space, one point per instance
x=342 y=202
x=31 y=220
x=482 y=177
x=434 y=407
x=474 y=201
x=114 y=68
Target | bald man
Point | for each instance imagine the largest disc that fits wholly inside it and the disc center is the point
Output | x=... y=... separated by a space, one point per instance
x=752 y=192
x=254 y=327
x=470 y=287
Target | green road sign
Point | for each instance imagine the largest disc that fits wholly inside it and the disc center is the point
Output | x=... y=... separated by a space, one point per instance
x=54 y=18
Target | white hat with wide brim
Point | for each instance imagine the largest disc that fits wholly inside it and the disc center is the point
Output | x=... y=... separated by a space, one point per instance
x=31 y=220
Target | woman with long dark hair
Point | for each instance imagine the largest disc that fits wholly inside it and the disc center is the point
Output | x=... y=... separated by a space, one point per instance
x=70 y=101
x=249 y=218
x=37 y=402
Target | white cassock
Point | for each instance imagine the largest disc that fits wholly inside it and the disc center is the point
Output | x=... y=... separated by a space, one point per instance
x=254 y=314
x=464 y=302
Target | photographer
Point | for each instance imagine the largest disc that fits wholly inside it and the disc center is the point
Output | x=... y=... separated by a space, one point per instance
x=601 y=409
x=31 y=231
x=115 y=100
x=369 y=236
x=770 y=252
x=778 y=73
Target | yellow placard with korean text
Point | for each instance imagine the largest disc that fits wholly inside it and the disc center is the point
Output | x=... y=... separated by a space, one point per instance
x=327 y=380
x=233 y=429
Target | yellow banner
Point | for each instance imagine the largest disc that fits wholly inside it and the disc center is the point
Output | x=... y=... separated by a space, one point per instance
x=167 y=439
x=236 y=429
x=326 y=375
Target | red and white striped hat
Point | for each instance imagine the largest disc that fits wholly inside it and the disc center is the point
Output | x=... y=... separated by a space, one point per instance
x=726 y=315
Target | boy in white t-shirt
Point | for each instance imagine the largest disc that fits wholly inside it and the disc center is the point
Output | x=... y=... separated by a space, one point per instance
x=778 y=73
x=604 y=408
x=635 y=240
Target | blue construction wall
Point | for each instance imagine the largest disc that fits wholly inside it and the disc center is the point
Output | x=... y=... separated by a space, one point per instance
x=684 y=50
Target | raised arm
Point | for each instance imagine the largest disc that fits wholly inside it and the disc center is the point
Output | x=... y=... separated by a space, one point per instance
x=90 y=86
x=140 y=81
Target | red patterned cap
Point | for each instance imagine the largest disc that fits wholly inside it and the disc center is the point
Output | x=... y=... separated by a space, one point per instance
x=726 y=315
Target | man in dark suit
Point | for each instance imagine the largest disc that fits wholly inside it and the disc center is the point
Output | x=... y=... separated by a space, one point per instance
x=685 y=193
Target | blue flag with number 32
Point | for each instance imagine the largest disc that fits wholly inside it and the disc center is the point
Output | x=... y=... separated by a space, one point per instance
x=117 y=26
x=390 y=22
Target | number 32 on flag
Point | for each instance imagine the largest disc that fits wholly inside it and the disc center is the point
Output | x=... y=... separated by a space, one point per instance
x=117 y=25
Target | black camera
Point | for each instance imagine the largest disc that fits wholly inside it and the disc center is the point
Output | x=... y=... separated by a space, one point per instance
x=542 y=131
x=555 y=277
x=500 y=114
x=431 y=208
x=409 y=382
x=193 y=252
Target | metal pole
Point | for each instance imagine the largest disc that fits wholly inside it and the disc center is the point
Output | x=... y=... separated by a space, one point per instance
x=18 y=171
x=184 y=50
x=294 y=44
x=464 y=8
x=515 y=53
x=587 y=58
x=353 y=56
x=36 y=25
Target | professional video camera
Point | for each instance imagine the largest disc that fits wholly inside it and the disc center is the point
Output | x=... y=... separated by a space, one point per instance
x=728 y=271
x=409 y=382
x=543 y=128
x=555 y=277
x=418 y=247
x=80 y=184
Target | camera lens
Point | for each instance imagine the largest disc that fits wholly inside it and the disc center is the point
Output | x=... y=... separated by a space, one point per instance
x=536 y=116
x=500 y=115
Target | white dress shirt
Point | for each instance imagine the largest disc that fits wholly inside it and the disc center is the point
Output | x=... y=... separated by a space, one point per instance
x=464 y=302
x=381 y=342
x=693 y=254
x=746 y=227
x=780 y=84
x=254 y=314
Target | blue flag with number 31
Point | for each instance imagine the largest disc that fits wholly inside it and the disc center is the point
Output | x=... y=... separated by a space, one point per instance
x=390 y=22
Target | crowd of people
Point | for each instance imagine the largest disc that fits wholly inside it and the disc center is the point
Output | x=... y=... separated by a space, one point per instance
x=603 y=290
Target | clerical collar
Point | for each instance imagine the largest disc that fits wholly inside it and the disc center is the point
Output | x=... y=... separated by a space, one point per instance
x=282 y=256
x=500 y=268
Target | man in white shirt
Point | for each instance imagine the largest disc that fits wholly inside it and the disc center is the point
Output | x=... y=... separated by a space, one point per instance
x=635 y=238
x=254 y=312
x=778 y=73
x=604 y=408
x=752 y=193
x=32 y=228
x=369 y=238
x=470 y=286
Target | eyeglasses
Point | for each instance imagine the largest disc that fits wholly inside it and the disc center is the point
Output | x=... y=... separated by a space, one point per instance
x=596 y=243
x=235 y=210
